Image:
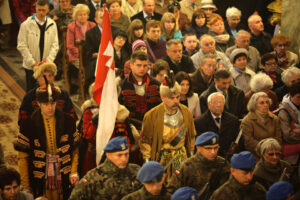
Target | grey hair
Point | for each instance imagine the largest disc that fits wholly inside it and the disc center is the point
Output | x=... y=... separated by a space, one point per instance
x=251 y=106
x=267 y=144
x=242 y=32
x=215 y=94
x=207 y=56
x=172 y=41
x=250 y=19
x=286 y=74
x=206 y=36
x=233 y=12
x=260 y=82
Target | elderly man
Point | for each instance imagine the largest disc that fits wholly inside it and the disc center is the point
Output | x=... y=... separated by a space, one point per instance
x=10 y=186
x=200 y=168
x=240 y=184
x=234 y=97
x=48 y=148
x=147 y=13
x=152 y=176
x=139 y=92
x=215 y=119
x=37 y=40
x=208 y=45
x=168 y=130
x=176 y=60
x=111 y=180
x=260 y=40
x=233 y=21
x=202 y=78
x=243 y=41
x=29 y=103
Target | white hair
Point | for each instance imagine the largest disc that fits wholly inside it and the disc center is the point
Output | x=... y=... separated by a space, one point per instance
x=286 y=74
x=209 y=98
x=251 y=18
x=260 y=82
x=251 y=106
x=233 y=12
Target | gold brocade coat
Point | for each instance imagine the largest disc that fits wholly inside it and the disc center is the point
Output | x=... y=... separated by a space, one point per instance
x=153 y=127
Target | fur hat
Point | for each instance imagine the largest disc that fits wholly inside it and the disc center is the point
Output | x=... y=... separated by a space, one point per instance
x=47 y=93
x=208 y=4
x=169 y=87
x=43 y=66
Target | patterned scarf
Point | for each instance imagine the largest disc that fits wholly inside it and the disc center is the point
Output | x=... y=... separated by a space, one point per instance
x=53 y=175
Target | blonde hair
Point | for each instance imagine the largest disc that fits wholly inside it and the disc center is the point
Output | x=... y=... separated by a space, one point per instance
x=80 y=7
x=251 y=106
x=167 y=16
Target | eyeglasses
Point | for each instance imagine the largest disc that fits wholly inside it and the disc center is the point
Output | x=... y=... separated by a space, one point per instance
x=278 y=154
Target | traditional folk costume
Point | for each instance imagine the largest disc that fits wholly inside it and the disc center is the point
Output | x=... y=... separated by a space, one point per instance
x=48 y=152
x=168 y=136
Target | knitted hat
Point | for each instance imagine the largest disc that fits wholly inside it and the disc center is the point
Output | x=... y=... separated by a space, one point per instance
x=136 y=44
x=236 y=53
x=43 y=66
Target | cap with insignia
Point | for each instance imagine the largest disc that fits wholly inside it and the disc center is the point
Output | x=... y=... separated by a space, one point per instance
x=280 y=190
x=116 y=144
x=150 y=172
x=243 y=160
x=185 y=193
x=207 y=138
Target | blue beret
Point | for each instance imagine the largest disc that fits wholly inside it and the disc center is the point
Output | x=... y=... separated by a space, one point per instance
x=185 y=193
x=243 y=160
x=279 y=191
x=207 y=138
x=116 y=144
x=150 y=172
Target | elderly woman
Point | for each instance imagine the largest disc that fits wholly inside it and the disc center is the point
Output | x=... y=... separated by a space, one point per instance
x=284 y=57
x=270 y=167
x=187 y=96
x=233 y=19
x=269 y=66
x=262 y=83
x=217 y=30
x=77 y=30
x=168 y=27
x=117 y=20
x=198 y=25
x=240 y=72
x=289 y=76
x=259 y=123
x=289 y=115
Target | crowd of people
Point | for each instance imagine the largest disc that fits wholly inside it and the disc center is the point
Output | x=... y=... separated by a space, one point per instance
x=209 y=103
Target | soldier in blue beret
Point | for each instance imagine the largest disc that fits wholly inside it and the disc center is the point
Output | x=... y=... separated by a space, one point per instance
x=240 y=185
x=152 y=176
x=185 y=193
x=199 y=170
x=113 y=179
x=281 y=190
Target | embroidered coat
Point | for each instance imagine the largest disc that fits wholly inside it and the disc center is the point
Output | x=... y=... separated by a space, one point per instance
x=32 y=140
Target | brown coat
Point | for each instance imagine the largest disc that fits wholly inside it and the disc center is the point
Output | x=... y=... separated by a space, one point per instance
x=153 y=126
x=254 y=130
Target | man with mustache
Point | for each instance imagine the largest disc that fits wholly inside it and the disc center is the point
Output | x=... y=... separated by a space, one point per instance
x=168 y=130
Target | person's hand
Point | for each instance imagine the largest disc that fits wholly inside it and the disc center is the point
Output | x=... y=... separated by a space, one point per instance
x=74 y=179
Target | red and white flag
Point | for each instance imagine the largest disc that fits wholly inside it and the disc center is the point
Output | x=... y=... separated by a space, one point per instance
x=105 y=90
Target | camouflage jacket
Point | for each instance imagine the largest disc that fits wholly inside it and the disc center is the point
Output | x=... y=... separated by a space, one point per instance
x=197 y=171
x=143 y=194
x=107 y=182
x=235 y=191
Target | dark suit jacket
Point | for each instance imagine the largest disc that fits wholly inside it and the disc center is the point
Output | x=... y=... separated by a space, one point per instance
x=198 y=84
x=227 y=133
x=140 y=16
x=236 y=100
x=185 y=65
x=92 y=43
x=93 y=10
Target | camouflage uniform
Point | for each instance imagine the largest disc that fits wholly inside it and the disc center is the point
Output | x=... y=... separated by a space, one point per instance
x=235 y=191
x=107 y=181
x=197 y=171
x=143 y=194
